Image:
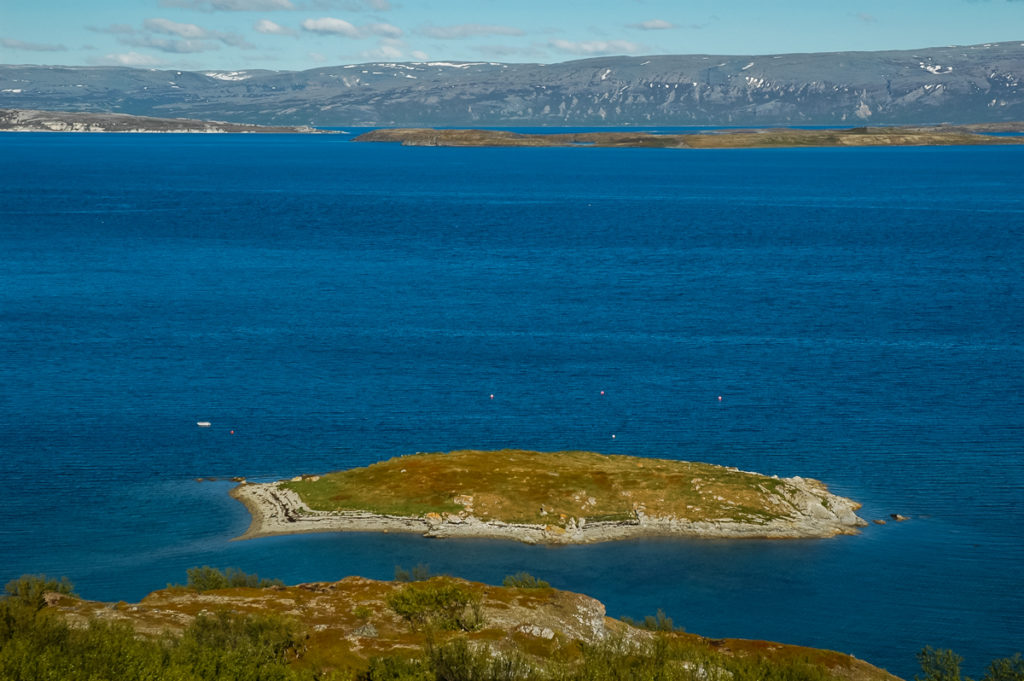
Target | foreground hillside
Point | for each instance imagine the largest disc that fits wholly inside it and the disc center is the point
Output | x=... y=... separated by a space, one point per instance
x=958 y=84
x=549 y=497
x=437 y=628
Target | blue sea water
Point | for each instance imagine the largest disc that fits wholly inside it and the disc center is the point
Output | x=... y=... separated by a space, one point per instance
x=859 y=311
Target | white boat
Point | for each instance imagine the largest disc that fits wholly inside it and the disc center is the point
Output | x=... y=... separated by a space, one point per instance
x=203 y=424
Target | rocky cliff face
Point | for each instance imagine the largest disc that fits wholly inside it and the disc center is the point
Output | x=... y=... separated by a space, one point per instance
x=977 y=83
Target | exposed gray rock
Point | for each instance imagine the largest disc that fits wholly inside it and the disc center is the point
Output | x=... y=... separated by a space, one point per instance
x=366 y=631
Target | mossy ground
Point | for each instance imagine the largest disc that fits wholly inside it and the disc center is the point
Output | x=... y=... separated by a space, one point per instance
x=539 y=488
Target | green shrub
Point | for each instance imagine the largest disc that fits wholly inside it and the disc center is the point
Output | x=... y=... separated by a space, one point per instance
x=29 y=589
x=36 y=644
x=23 y=600
x=1006 y=669
x=617 y=659
x=656 y=622
x=207 y=578
x=227 y=646
x=437 y=604
x=775 y=670
x=396 y=669
x=419 y=573
x=524 y=580
x=457 y=661
x=938 y=665
x=453 y=661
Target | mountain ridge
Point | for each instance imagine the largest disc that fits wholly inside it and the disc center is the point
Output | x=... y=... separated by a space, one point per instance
x=956 y=84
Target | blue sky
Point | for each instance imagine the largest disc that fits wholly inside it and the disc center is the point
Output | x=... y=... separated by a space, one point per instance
x=300 y=34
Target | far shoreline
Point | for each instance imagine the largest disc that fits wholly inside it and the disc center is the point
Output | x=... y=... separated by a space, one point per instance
x=718 y=138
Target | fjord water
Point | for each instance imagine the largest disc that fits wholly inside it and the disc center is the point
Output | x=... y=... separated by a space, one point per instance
x=859 y=311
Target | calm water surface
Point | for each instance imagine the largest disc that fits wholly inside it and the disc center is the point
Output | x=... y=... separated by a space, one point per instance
x=858 y=310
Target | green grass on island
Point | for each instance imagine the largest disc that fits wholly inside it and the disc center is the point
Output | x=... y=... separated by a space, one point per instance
x=546 y=488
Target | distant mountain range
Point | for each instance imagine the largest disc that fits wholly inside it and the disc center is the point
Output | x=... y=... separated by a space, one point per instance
x=972 y=84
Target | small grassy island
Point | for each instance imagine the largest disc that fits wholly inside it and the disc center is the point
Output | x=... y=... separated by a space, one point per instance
x=555 y=498
x=712 y=139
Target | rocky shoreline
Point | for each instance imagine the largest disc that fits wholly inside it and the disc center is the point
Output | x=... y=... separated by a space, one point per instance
x=816 y=513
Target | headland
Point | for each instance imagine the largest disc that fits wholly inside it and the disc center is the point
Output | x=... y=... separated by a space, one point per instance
x=347 y=628
x=27 y=120
x=548 y=498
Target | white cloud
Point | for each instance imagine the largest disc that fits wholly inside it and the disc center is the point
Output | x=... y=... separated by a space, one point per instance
x=595 y=47
x=13 y=44
x=467 y=31
x=114 y=29
x=330 y=25
x=349 y=5
x=333 y=26
x=172 y=46
x=654 y=25
x=195 y=38
x=169 y=27
x=128 y=59
x=231 y=5
x=361 y=5
x=383 y=51
x=271 y=28
x=419 y=54
x=506 y=51
x=383 y=30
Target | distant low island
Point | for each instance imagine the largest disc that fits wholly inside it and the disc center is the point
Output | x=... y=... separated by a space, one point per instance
x=711 y=139
x=548 y=498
